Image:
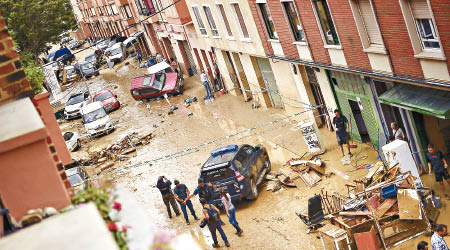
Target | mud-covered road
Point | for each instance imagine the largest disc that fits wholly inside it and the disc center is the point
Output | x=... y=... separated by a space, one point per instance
x=268 y=222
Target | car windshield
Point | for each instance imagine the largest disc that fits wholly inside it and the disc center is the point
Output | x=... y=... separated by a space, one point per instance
x=160 y=79
x=76 y=99
x=103 y=96
x=75 y=180
x=94 y=115
x=116 y=51
x=218 y=174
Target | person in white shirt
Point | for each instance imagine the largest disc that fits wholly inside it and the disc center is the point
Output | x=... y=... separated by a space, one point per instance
x=231 y=211
x=437 y=240
x=398 y=132
x=205 y=81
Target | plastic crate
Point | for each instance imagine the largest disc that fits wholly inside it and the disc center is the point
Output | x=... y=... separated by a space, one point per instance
x=389 y=191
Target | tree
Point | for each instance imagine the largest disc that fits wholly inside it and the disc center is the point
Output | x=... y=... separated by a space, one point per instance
x=34 y=73
x=34 y=23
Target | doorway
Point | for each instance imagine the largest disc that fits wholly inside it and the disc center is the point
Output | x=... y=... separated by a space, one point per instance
x=317 y=94
x=360 y=124
x=270 y=83
x=231 y=71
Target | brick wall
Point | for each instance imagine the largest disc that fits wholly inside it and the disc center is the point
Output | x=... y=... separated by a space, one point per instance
x=261 y=29
x=13 y=82
x=396 y=38
x=441 y=10
x=348 y=34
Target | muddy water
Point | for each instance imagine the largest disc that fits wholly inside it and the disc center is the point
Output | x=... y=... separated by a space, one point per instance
x=268 y=222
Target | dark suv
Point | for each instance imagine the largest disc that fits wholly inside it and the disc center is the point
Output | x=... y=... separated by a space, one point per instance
x=238 y=169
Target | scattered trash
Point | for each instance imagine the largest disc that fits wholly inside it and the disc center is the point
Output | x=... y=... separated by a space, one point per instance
x=190 y=100
x=191 y=114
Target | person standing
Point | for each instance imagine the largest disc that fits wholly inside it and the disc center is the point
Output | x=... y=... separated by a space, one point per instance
x=204 y=190
x=212 y=215
x=159 y=58
x=341 y=126
x=398 y=132
x=231 y=211
x=164 y=187
x=437 y=161
x=437 y=240
x=205 y=81
x=181 y=194
x=139 y=56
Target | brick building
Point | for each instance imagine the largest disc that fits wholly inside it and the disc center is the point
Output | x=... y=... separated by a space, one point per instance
x=32 y=150
x=378 y=61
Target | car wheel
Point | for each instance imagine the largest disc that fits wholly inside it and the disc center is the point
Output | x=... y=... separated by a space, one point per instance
x=78 y=145
x=267 y=165
x=254 y=190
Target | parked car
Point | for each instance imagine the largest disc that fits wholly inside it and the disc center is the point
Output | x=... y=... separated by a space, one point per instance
x=238 y=169
x=95 y=119
x=65 y=39
x=74 y=104
x=78 y=178
x=116 y=52
x=108 y=100
x=71 y=75
x=129 y=44
x=72 y=140
x=95 y=58
x=103 y=44
x=86 y=69
x=73 y=44
x=161 y=79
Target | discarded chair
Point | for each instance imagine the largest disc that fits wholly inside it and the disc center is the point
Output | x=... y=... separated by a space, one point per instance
x=314 y=215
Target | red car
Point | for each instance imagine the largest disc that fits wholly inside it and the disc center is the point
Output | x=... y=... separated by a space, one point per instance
x=161 y=79
x=108 y=99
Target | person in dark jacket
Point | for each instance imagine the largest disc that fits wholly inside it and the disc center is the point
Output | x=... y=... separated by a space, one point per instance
x=181 y=193
x=164 y=187
x=212 y=215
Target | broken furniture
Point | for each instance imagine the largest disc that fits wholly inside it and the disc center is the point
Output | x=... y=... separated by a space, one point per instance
x=334 y=233
x=367 y=240
x=314 y=215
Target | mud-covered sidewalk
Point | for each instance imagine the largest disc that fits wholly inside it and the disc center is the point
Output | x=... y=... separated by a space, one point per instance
x=270 y=221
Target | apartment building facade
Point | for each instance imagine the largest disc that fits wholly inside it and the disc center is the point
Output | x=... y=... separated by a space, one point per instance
x=228 y=28
x=378 y=61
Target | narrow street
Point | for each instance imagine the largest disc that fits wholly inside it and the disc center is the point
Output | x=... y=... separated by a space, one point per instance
x=271 y=214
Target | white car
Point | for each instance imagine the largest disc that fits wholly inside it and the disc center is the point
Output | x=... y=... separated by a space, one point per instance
x=116 y=52
x=74 y=104
x=77 y=177
x=95 y=119
x=72 y=140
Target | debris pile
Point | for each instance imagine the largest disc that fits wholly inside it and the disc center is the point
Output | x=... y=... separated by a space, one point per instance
x=384 y=208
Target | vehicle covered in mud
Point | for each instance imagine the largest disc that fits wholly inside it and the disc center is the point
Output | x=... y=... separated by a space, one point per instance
x=72 y=140
x=95 y=119
x=237 y=169
x=78 y=178
x=73 y=106
x=86 y=69
x=160 y=80
x=108 y=99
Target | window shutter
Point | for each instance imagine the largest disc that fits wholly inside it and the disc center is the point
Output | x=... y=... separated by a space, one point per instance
x=420 y=9
x=370 y=22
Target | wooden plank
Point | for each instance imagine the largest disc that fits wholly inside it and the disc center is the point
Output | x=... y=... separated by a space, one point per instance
x=287 y=171
x=385 y=206
x=354 y=213
x=408 y=204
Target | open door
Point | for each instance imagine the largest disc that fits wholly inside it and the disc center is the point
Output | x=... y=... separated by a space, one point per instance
x=356 y=113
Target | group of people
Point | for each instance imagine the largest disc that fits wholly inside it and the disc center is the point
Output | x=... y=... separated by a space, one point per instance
x=437 y=240
x=211 y=213
x=217 y=82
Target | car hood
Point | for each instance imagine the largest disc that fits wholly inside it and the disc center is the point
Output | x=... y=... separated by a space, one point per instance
x=97 y=123
x=74 y=107
x=108 y=101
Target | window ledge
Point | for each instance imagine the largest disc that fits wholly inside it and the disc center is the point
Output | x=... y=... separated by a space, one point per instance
x=217 y=37
x=230 y=38
x=247 y=40
x=375 y=49
x=431 y=55
x=332 y=46
x=274 y=41
x=204 y=35
x=300 y=43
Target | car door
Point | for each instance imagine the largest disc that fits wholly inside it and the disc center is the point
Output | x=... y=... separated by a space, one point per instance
x=250 y=159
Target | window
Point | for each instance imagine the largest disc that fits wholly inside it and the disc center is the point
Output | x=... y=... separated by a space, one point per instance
x=268 y=21
x=93 y=12
x=326 y=22
x=240 y=19
x=108 y=9
x=367 y=24
x=100 y=11
x=201 y=26
x=294 y=21
x=224 y=19
x=114 y=9
x=210 y=19
x=424 y=24
x=126 y=11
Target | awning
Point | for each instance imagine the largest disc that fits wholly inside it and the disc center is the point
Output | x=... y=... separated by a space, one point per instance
x=427 y=101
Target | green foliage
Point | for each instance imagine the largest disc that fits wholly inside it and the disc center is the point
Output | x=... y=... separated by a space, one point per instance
x=35 y=75
x=34 y=23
